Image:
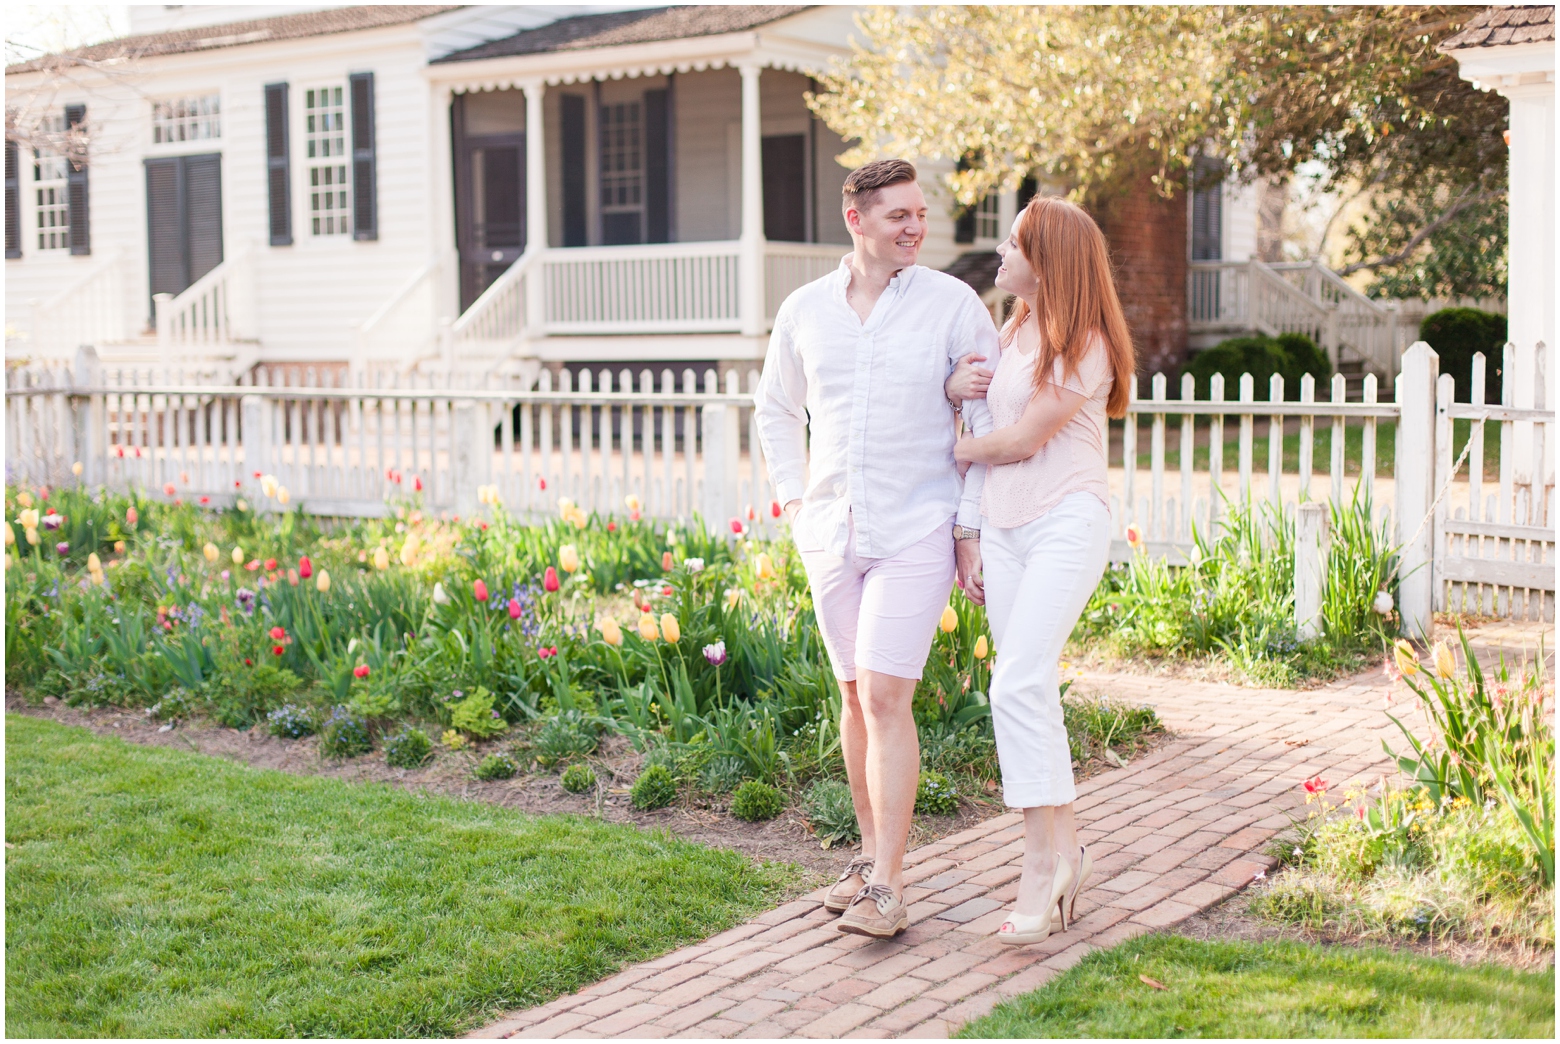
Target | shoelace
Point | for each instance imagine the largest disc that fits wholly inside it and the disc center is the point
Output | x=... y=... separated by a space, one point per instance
x=857 y=866
x=882 y=895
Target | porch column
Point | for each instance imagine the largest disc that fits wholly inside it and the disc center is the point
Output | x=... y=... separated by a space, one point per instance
x=750 y=266
x=441 y=206
x=535 y=207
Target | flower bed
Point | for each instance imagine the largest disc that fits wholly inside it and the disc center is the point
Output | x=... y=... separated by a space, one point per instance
x=526 y=642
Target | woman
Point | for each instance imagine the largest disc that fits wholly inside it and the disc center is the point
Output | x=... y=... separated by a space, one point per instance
x=1066 y=365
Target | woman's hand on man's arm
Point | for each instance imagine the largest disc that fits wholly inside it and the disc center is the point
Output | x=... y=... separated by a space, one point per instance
x=967 y=381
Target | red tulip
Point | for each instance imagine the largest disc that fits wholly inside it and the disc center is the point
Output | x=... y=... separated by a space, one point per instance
x=752 y=515
x=257 y=474
x=417 y=483
x=550 y=579
x=774 y=508
x=131 y=516
x=270 y=563
x=667 y=590
x=541 y=483
x=360 y=671
x=479 y=591
x=252 y=566
x=611 y=527
x=305 y=567
x=736 y=526
x=514 y=609
x=168 y=489
x=279 y=649
x=278 y=634
x=204 y=501
x=248 y=662
x=666 y=561
x=1317 y=785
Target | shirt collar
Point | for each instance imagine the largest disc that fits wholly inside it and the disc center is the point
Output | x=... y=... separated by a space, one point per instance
x=900 y=280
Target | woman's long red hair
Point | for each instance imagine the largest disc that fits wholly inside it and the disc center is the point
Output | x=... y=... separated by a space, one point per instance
x=1077 y=296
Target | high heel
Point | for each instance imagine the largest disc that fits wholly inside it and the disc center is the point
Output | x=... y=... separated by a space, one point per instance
x=1085 y=871
x=1033 y=928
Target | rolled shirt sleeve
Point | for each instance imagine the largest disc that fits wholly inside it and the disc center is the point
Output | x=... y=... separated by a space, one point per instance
x=779 y=408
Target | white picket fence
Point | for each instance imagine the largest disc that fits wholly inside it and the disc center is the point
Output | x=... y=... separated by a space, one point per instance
x=685 y=444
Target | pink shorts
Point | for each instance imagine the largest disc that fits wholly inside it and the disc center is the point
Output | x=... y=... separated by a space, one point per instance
x=880 y=614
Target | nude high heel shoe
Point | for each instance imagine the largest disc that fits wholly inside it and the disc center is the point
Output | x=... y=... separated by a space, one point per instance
x=1033 y=928
x=1085 y=871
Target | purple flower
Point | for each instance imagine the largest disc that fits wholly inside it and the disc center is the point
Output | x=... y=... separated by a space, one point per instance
x=716 y=653
x=226 y=575
x=51 y=522
x=62 y=547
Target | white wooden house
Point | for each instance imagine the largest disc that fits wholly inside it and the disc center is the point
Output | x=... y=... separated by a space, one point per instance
x=471 y=187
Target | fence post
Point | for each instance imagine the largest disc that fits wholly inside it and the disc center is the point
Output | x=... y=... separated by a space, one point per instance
x=470 y=464
x=256 y=439
x=1445 y=391
x=1312 y=538
x=712 y=420
x=162 y=309
x=1414 y=479
x=89 y=416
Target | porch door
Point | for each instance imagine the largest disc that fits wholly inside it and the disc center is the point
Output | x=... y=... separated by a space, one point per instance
x=785 y=188
x=491 y=229
x=183 y=220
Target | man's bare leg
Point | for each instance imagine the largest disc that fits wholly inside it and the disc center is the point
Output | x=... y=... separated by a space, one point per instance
x=891 y=769
x=853 y=745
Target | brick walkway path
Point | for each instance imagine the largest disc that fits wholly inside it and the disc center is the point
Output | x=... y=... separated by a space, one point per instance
x=1171 y=834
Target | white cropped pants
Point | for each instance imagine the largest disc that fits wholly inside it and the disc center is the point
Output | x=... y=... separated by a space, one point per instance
x=1038 y=577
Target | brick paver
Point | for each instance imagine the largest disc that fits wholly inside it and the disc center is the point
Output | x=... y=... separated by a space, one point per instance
x=1173 y=833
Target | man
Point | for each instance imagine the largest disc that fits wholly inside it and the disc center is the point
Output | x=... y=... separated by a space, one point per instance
x=859 y=358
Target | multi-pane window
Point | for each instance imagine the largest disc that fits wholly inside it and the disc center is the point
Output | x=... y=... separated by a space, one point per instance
x=622 y=173
x=52 y=208
x=186 y=119
x=987 y=220
x=325 y=151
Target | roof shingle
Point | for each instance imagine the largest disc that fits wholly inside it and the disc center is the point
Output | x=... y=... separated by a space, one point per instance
x=233 y=34
x=1497 y=26
x=628 y=27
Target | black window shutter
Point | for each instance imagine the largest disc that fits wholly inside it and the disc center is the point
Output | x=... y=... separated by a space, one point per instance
x=13 y=202
x=573 y=108
x=658 y=181
x=964 y=225
x=203 y=213
x=365 y=203
x=76 y=188
x=277 y=170
x=169 y=273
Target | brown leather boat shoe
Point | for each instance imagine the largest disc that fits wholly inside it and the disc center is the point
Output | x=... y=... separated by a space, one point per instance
x=853 y=880
x=876 y=911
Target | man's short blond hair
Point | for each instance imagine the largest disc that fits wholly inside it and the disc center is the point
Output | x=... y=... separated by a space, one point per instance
x=864 y=184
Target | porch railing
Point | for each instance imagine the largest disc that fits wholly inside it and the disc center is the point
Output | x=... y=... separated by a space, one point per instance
x=216 y=312
x=642 y=289
x=685 y=444
x=789 y=266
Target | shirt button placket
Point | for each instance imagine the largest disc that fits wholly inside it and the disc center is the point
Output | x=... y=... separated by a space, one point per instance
x=858 y=442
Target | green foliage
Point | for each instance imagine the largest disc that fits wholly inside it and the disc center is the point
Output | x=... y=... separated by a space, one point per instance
x=1290 y=356
x=408 y=749
x=344 y=735
x=155 y=892
x=474 y=715
x=830 y=812
x=935 y=796
x=494 y=767
x=290 y=721
x=755 y=801
x=1457 y=334
x=566 y=736
x=655 y=788
x=1273 y=989
x=1096 y=724
x=578 y=778
x=242 y=697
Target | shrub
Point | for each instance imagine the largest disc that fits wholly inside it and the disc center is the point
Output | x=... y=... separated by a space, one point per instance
x=475 y=715
x=565 y=737
x=831 y=812
x=755 y=801
x=721 y=774
x=1290 y=355
x=242 y=697
x=935 y=796
x=408 y=749
x=1456 y=334
x=655 y=788
x=290 y=721
x=344 y=735
x=578 y=778
x=494 y=766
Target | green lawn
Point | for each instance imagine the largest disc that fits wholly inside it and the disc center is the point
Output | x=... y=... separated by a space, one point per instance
x=153 y=892
x=1275 y=990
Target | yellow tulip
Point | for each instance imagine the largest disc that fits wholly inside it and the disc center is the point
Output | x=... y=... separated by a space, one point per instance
x=322 y=581
x=381 y=558
x=1407 y=659
x=632 y=502
x=32 y=536
x=733 y=596
x=8 y=561
x=268 y=485
x=282 y=496
x=10 y=536
x=28 y=518
x=24 y=499
x=647 y=628
x=669 y=629
x=238 y=556
x=409 y=549
x=76 y=469
x=569 y=558
x=94 y=563
x=119 y=547
x=1445 y=666
x=766 y=566
x=611 y=633
x=950 y=621
x=981 y=648
x=211 y=552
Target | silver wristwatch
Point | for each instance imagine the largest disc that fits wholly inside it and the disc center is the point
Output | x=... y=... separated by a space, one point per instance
x=965 y=533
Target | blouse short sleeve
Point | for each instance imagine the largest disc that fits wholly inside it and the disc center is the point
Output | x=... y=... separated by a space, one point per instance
x=1093 y=371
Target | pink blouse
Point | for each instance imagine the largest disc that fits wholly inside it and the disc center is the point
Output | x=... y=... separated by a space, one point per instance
x=1071 y=461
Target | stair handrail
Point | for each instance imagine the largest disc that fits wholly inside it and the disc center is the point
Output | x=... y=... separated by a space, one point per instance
x=505 y=291
x=71 y=294
x=431 y=274
x=215 y=309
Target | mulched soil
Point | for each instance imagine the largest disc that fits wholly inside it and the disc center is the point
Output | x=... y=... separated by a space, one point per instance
x=1232 y=920
x=785 y=839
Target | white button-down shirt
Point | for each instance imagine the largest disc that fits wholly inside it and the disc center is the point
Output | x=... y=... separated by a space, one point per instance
x=872 y=396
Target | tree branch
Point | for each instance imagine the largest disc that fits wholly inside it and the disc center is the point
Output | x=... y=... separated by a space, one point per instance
x=1457 y=206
